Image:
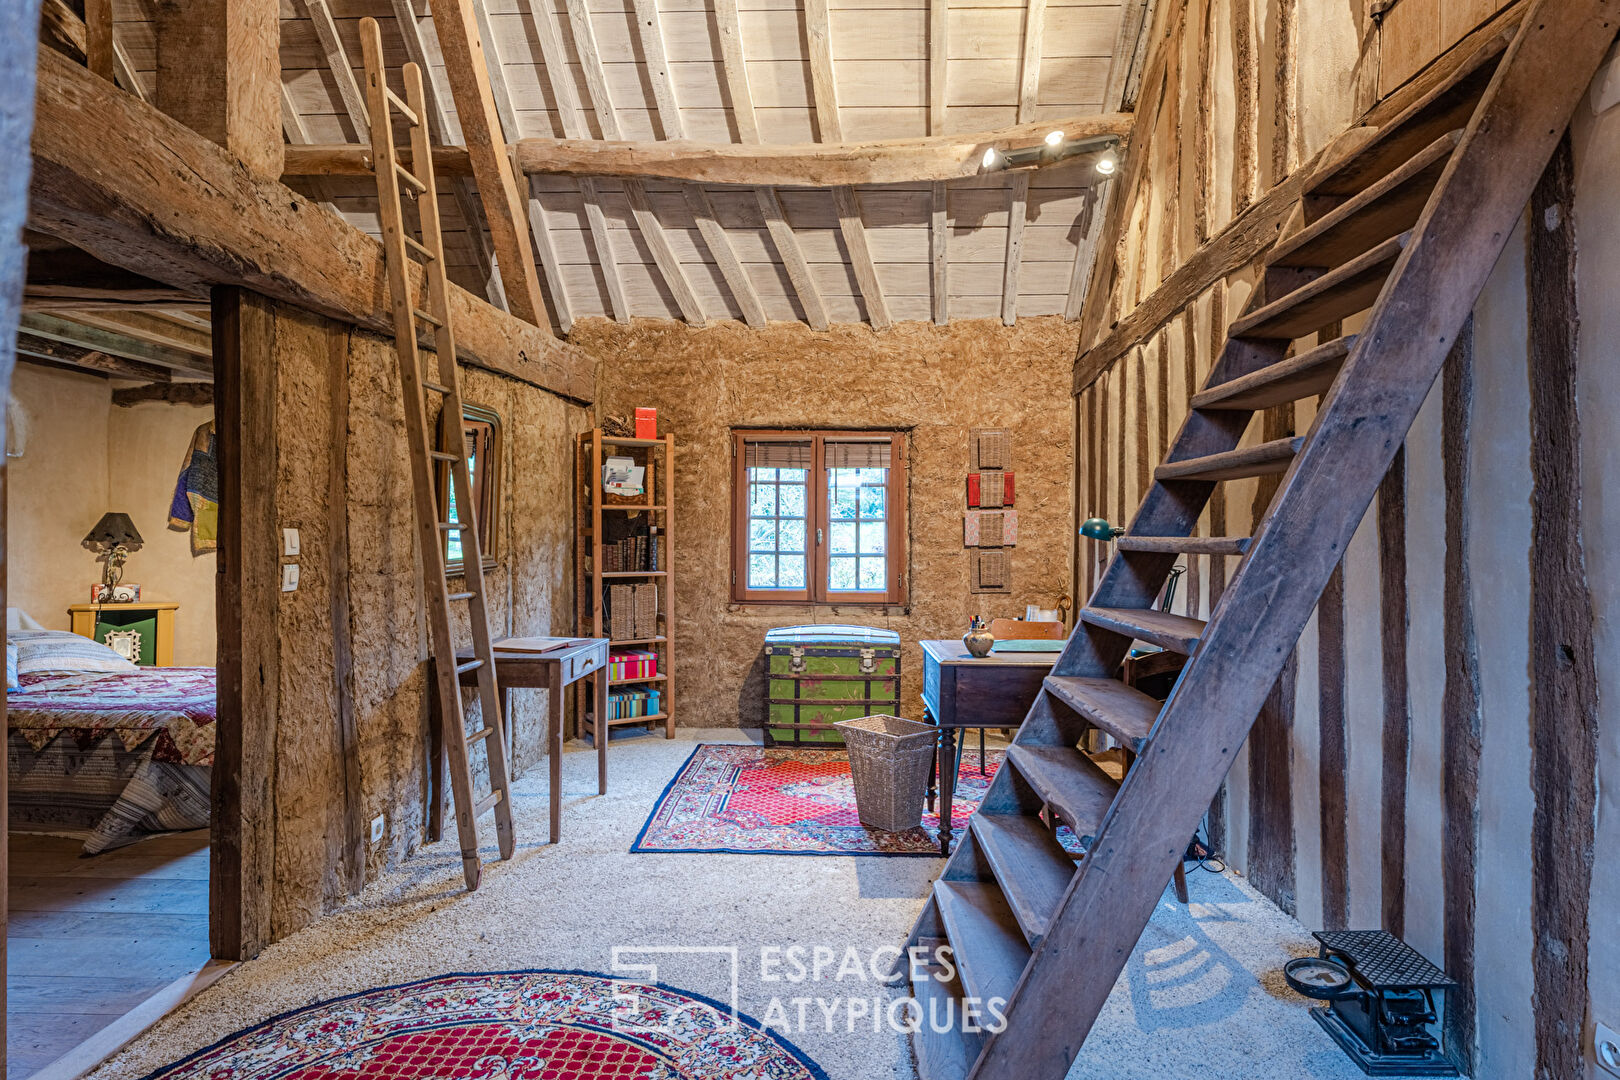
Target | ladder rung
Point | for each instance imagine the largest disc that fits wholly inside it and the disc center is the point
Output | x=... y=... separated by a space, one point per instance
x=427 y=316
x=1262 y=460
x=437 y=388
x=1388 y=207
x=1335 y=295
x=454 y=526
x=455 y=596
x=1177 y=633
x=486 y=802
x=469 y=665
x=1186 y=545
x=419 y=247
x=409 y=177
x=444 y=455
x=481 y=734
x=404 y=109
x=1123 y=711
x=1301 y=376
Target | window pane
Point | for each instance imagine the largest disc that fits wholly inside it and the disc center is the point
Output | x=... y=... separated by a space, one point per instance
x=452 y=542
x=762 y=534
x=841 y=503
x=762 y=474
x=843 y=538
x=873 y=535
x=872 y=501
x=762 y=571
x=792 y=499
x=793 y=476
x=874 y=573
x=790 y=536
x=762 y=500
x=841 y=574
x=791 y=572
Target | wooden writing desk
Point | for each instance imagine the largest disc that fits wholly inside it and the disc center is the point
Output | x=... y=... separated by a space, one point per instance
x=964 y=691
x=552 y=671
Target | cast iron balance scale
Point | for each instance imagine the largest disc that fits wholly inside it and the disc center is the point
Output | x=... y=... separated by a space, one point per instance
x=1380 y=995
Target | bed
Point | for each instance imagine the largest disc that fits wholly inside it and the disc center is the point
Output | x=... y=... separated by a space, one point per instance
x=111 y=753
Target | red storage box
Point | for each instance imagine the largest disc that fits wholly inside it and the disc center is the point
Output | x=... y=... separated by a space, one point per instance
x=646 y=423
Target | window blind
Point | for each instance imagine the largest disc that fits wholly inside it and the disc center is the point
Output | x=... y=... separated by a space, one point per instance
x=857 y=455
x=773 y=454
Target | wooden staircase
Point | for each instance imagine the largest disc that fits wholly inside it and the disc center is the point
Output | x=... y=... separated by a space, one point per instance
x=435 y=467
x=1408 y=224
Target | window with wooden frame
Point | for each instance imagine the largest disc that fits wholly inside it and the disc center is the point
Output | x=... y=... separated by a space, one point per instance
x=818 y=517
x=481 y=428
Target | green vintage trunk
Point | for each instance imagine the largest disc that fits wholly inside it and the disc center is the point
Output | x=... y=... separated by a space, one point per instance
x=819 y=675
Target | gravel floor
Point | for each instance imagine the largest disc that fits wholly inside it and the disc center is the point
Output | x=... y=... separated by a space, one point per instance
x=1202 y=996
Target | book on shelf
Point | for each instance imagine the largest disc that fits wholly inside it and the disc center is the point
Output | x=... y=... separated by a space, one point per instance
x=629 y=704
x=634 y=664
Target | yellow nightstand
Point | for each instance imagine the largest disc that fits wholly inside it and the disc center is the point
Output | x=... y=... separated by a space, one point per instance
x=161 y=612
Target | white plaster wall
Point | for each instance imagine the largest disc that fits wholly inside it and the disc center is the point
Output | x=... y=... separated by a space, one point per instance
x=56 y=491
x=1363 y=725
x=1597 y=226
x=83 y=458
x=1499 y=547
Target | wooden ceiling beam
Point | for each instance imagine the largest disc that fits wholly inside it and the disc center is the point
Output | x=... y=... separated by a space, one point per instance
x=735 y=70
x=823 y=85
x=880 y=161
x=548 y=32
x=438 y=120
x=79 y=356
x=117 y=340
x=151 y=328
x=1029 y=69
x=172 y=393
x=1017 y=206
x=204 y=220
x=455 y=22
x=939 y=235
x=792 y=256
x=848 y=206
x=1085 y=253
x=939 y=61
x=219 y=73
x=607 y=120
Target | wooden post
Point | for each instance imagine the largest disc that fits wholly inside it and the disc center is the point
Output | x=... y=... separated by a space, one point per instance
x=241 y=858
x=19 y=37
x=219 y=73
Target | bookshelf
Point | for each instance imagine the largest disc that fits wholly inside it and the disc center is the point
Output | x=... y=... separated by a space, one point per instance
x=626 y=545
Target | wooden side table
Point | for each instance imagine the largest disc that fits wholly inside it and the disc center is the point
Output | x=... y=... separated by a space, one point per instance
x=85 y=616
x=553 y=671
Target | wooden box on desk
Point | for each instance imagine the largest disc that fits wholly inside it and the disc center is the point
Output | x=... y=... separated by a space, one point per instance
x=819 y=675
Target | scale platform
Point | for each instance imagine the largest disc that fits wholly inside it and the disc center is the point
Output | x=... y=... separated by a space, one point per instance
x=1383 y=1023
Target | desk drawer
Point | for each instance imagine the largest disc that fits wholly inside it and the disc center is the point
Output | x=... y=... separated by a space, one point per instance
x=584 y=664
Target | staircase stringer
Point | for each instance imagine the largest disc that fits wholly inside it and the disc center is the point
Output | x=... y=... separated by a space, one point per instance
x=1322 y=498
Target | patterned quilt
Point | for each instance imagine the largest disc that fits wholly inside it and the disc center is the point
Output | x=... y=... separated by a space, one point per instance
x=173 y=706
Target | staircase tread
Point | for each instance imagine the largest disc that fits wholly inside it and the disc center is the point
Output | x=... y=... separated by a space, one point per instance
x=1071 y=783
x=1448 y=106
x=1187 y=545
x=986 y=940
x=1032 y=869
x=1165 y=629
x=948 y=1054
x=1262 y=459
x=1385 y=209
x=1339 y=293
x=1123 y=711
x=1306 y=375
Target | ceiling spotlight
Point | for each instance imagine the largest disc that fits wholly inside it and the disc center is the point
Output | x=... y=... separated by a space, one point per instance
x=1107 y=162
x=992 y=158
x=1054 y=138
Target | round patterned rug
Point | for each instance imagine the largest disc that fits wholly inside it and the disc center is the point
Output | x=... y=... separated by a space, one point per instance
x=509 y=1025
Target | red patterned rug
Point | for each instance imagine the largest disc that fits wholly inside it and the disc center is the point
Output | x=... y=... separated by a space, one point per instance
x=752 y=800
x=512 y=1025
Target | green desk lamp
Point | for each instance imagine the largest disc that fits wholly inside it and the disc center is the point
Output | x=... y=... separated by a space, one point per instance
x=1098 y=529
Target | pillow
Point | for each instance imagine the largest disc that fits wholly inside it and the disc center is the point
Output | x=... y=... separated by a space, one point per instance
x=18 y=619
x=11 y=668
x=61 y=650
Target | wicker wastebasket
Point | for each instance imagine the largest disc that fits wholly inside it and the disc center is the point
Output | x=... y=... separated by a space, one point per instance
x=889 y=759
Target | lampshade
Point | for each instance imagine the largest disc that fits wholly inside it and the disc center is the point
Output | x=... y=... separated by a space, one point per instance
x=111 y=531
x=1099 y=529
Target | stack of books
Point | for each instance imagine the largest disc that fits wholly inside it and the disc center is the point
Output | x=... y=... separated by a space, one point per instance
x=632 y=703
x=633 y=665
x=633 y=554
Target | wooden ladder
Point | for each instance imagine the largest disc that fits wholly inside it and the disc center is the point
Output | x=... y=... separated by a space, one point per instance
x=432 y=468
x=1409 y=224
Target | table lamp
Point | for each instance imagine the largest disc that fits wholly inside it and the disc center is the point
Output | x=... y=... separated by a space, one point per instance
x=114 y=537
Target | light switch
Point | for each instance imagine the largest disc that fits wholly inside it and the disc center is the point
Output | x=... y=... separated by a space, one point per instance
x=289 y=541
x=289 y=577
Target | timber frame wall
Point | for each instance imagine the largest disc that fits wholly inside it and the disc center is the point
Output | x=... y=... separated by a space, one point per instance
x=1431 y=761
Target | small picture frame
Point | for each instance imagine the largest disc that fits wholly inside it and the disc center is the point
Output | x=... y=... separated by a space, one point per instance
x=126 y=643
x=122 y=593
